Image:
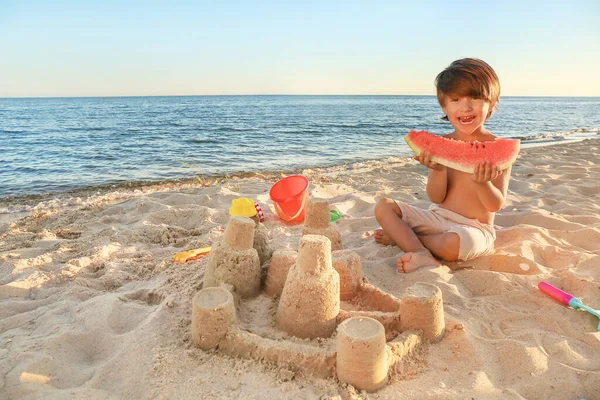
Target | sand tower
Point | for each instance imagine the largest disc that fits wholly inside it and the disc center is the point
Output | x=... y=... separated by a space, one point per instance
x=310 y=301
x=213 y=311
x=362 y=353
x=318 y=222
x=278 y=269
x=261 y=242
x=422 y=308
x=234 y=260
x=347 y=264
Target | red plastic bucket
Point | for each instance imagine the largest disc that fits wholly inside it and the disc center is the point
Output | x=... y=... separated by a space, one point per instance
x=290 y=196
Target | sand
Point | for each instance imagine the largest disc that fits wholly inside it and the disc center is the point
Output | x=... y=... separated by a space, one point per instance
x=92 y=305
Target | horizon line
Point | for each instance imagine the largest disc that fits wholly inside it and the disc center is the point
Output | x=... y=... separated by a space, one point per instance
x=266 y=95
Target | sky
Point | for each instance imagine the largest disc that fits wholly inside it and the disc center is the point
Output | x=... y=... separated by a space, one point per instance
x=138 y=48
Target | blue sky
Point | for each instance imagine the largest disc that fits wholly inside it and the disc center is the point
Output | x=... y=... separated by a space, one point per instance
x=112 y=48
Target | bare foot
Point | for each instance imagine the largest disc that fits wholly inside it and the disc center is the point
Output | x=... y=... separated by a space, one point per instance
x=382 y=238
x=412 y=261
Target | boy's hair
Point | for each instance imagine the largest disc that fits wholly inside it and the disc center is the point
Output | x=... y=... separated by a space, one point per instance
x=469 y=77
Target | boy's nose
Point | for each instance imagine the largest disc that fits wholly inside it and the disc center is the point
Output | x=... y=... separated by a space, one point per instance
x=467 y=105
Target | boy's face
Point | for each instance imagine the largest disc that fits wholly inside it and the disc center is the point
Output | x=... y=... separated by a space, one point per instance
x=466 y=114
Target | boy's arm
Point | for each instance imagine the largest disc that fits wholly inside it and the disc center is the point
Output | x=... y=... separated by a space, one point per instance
x=437 y=178
x=491 y=186
x=437 y=184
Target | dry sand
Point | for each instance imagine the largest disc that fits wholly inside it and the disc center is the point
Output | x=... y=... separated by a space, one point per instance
x=92 y=305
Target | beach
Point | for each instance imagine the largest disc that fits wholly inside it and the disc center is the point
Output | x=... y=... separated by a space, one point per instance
x=93 y=306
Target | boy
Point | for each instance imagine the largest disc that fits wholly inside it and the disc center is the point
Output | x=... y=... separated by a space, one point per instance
x=459 y=225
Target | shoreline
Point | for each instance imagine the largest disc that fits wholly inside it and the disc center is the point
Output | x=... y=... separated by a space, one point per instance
x=114 y=192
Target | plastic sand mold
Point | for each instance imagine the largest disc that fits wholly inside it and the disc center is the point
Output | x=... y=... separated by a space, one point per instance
x=334 y=215
x=566 y=299
x=244 y=207
x=191 y=255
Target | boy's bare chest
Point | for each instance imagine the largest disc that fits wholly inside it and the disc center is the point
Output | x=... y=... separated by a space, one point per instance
x=460 y=181
x=462 y=198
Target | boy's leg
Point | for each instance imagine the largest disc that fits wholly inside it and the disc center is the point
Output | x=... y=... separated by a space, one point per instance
x=389 y=216
x=444 y=245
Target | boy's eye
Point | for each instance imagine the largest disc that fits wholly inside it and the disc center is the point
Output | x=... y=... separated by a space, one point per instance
x=454 y=100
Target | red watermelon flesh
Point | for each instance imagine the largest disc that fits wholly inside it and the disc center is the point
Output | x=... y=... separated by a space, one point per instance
x=464 y=156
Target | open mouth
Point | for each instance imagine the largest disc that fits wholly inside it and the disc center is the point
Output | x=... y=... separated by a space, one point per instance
x=466 y=120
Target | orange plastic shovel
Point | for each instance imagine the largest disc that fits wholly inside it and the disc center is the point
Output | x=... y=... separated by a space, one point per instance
x=191 y=255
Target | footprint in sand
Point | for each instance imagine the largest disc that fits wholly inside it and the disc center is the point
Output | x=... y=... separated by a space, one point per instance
x=572 y=353
x=557 y=258
x=186 y=219
x=147 y=296
x=589 y=190
x=129 y=311
x=66 y=361
x=163 y=234
x=120 y=313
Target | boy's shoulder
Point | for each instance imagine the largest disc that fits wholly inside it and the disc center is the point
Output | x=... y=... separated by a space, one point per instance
x=488 y=137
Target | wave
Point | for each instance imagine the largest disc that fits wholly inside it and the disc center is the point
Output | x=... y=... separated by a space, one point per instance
x=86 y=128
x=8 y=130
x=174 y=124
x=231 y=129
x=353 y=125
x=203 y=141
x=560 y=135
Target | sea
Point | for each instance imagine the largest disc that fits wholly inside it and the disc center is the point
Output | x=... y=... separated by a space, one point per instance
x=51 y=147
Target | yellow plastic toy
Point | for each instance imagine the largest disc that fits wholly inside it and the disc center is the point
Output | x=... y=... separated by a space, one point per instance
x=243 y=207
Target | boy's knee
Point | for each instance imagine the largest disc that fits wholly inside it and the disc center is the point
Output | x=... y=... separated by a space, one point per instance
x=451 y=246
x=384 y=206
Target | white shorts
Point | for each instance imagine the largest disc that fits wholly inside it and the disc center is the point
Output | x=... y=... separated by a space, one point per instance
x=476 y=239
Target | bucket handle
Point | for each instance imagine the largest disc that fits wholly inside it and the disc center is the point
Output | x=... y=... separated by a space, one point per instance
x=285 y=217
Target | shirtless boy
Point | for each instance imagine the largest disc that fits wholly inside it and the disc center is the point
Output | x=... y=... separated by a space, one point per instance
x=459 y=225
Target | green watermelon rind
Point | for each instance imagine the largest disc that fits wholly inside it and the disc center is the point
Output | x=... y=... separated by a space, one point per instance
x=458 y=166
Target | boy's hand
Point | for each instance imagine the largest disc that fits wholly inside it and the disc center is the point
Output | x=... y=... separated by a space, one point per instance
x=485 y=172
x=425 y=159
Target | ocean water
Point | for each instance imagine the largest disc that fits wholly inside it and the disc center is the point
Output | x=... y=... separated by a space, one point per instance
x=57 y=145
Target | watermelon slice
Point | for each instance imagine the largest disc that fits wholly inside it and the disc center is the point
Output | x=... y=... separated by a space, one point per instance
x=464 y=156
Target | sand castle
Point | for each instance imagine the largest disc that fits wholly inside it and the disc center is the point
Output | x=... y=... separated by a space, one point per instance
x=363 y=332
